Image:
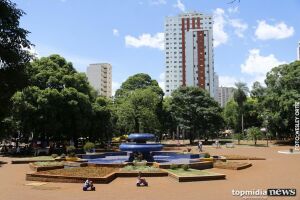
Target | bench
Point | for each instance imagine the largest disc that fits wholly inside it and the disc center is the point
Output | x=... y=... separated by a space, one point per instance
x=230 y=145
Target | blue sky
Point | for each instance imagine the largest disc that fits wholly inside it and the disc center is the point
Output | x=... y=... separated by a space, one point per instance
x=250 y=37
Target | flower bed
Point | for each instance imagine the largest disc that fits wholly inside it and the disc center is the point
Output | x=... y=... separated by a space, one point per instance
x=82 y=171
x=132 y=168
x=193 y=175
x=240 y=157
x=232 y=165
x=79 y=175
x=43 y=166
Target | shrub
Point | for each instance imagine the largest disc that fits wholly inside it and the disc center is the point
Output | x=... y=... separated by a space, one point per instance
x=89 y=146
x=185 y=167
x=54 y=155
x=63 y=155
x=206 y=155
x=173 y=166
x=70 y=149
x=72 y=154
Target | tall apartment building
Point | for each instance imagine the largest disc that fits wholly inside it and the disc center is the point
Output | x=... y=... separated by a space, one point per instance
x=189 y=52
x=100 y=78
x=225 y=94
x=298 y=51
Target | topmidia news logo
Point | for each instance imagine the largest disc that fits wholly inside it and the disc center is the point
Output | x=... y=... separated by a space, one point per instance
x=288 y=192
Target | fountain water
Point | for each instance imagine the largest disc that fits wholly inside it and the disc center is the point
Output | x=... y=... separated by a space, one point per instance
x=138 y=146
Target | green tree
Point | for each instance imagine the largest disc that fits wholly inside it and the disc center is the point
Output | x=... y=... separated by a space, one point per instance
x=168 y=122
x=254 y=134
x=196 y=112
x=101 y=122
x=281 y=93
x=58 y=104
x=131 y=104
x=13 y=57
x=138 y=81
x=240 y=96
x=230 y=115
x=138 y=112
x=252 y=113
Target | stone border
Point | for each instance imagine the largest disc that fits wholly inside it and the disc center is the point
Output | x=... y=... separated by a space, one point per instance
x=195 y=165
x=36 y=168
x=100 y=180
x=30 y=161
x=216 y=176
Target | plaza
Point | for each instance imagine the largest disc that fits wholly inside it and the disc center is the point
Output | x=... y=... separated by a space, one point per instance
x=277 y=171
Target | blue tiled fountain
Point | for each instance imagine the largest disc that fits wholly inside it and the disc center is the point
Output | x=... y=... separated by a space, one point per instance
x=141 y=144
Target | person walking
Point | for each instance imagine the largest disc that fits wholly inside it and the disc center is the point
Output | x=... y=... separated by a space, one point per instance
x=200 y=146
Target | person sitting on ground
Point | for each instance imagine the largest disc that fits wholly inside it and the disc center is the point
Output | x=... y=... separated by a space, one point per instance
x=141 y=181
x=88 y=184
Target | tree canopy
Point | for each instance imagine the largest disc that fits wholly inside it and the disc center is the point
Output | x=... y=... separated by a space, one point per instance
x=281 y=93
x=13 y=58
x=196 y=112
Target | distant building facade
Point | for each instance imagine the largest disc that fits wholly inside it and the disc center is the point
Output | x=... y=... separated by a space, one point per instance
x=100 y=78
x=225 y=94
x=216 y=87
x=189 y=55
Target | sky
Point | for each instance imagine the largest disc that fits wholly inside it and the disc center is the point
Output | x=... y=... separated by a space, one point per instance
x=250 y=36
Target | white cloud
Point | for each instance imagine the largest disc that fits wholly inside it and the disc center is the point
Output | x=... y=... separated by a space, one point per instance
x=115 y=87
x=161 y=81
x=239 y=26
x=146 y=40
x=257 y=65
x=157 y=2
x=233 y=9
x=227 y=81
x=220 y=36
x=179 y=5
x=266 y=31
x=222 y=20
x=115 y=32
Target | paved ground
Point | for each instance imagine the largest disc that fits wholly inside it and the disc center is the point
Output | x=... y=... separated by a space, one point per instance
x=278 y=171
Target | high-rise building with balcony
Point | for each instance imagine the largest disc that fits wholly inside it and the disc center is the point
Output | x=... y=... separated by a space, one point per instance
x=189 y=55
x=100 y=78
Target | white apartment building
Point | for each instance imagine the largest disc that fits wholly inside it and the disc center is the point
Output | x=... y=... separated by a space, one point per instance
x=225 y=94
x=100 y=78
x=189 y=52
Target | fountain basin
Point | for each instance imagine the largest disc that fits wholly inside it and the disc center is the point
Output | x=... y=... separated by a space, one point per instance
x=141 y=137
x=132 y=147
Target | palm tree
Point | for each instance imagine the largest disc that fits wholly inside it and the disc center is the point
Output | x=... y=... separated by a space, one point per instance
x=240 y=96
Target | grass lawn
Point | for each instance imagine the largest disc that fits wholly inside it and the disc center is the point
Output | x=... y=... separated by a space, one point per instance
x=82 y=171
x=190 y=172
x=131 y=168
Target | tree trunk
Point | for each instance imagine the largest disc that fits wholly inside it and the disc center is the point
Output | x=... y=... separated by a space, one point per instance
x=242 y=123
x=136 y=125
